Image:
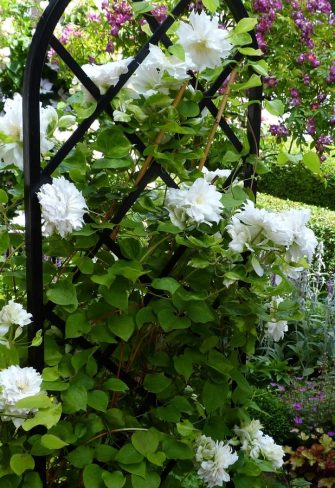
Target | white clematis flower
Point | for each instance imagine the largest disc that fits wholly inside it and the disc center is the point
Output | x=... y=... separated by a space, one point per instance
x=259 y=445
x=17 y=383
x=11 y=130
x=203 y=40
x=213 y=459
x=13 y=314
x=105 y=75
x=62 y=206
x=275 y=329
x=195 y=204
x=218 y=174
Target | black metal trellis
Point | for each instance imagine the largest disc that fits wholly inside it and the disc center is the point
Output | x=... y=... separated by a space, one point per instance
x=35 y=176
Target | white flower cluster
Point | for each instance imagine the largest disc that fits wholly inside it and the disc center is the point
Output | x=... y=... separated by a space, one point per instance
x=195 y=204
x=275 y=329
x=17 y=383
x=11 y=131
x=259 y=445
x=13 y=314
x=204 y=43
x=63 y=207
x=213 y=458
x=252 y=226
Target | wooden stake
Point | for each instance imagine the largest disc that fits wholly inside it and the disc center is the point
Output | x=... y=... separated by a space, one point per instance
x=223 y=104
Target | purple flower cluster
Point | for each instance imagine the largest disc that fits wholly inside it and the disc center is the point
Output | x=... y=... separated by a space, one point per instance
x=331 y=76
x=295 y=99
x=305 y=27
x=309 y=58
x=268 y=10
x=322 y=6
x=117 y=14
x=160 y=12
x=311 y=126
x=323 y=141
x=69 y=32
x=279 y=130
x=270 y=81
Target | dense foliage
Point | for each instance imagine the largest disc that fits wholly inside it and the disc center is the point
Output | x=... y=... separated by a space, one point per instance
x=157 y=321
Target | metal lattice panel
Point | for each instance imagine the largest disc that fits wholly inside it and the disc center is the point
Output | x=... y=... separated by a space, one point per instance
x=35 y=176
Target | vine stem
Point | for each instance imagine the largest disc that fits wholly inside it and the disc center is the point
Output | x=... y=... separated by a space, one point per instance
x=160 y=136
x=218 y=117
x=108 y=432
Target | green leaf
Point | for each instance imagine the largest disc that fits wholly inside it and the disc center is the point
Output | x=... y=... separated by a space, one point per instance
x=20 y=463
x=122 y=326
x=117 y=294
x=52 y=442
x=169 y=284
x=274 y=107
x=85 y=264
x=187 y=108
x=178 y=51
x=128 y=455
x=32 y=480
x=63 y=293
x=129 y=269
x=81 y=456
x=199 y=312
x=253 y=81
x=183 y=365
x=3 y=197
x=47 y=417
x=130 y=248
x=145 y=442
x=211 y=5
x=75 y=399
x=156 y=382
x=245 y=25
x=107 y=163
x=141 y=7
x=312 y=161
x=114 y=480
x=152 y=480
x=250 y=51
x=177 y=450
x=219 y=362
x=115 y=384
x=144 y=316
x=76 y=325
x=214 y=396
x=98 y=399
x=261 y=67
x=4 y=242
x=240 y=39
x=113 y=143
x=36 y=401
x=92 y=476
x=157 y=458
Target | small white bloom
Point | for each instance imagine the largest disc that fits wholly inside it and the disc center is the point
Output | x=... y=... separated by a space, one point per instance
x=11 y=150
x=271 y=451
x=147 y=81
x=46 y=86
x=174 y=66
x=199 y=203
x=105 y=75
x=17 y=383
x=203 y=41
x=62 y=206
x=257 y=444
x=213 y=459
x=218 y=174
x=276 y=329
x=13 y=314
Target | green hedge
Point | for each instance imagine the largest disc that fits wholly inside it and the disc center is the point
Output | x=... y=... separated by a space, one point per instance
x=299 y=184
x=322 y=222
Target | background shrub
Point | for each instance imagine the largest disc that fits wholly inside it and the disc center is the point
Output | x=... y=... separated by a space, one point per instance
x=301 y=185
